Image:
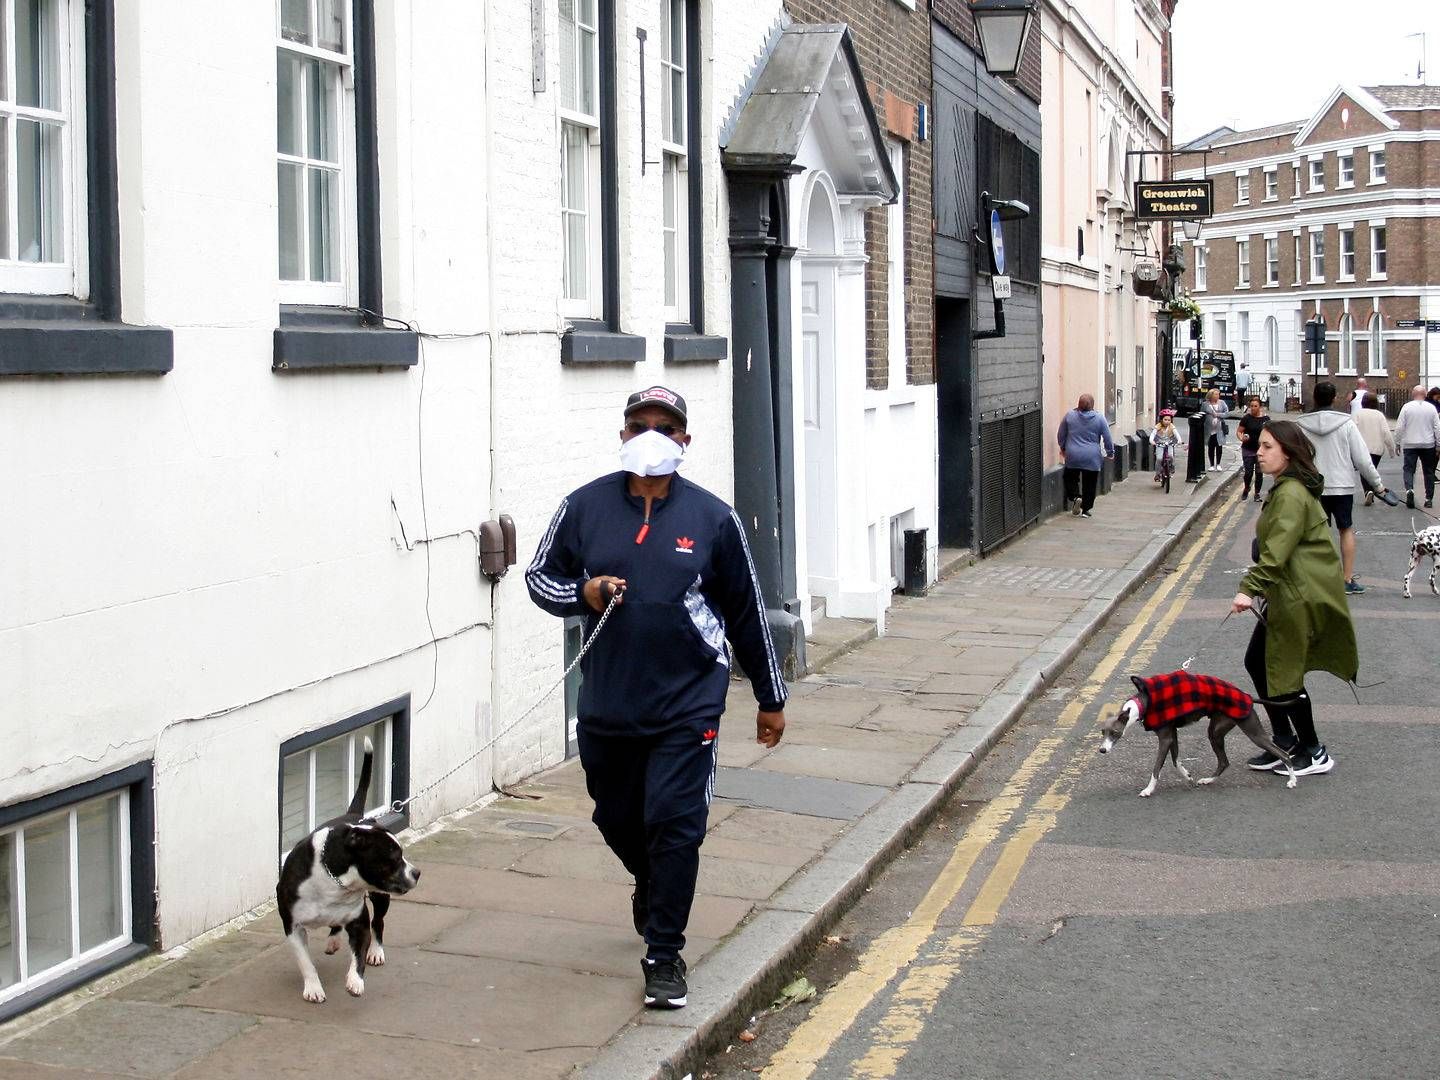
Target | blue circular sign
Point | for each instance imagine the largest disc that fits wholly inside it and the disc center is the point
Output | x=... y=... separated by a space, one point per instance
x=997 y=241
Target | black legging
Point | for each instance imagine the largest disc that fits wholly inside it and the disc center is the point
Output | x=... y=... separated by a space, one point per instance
x=1080 y=484
x=1252 y=470
x=1291 y=721
x=1214 y=447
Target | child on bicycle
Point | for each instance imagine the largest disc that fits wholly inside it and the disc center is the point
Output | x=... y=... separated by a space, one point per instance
x=1165 y=438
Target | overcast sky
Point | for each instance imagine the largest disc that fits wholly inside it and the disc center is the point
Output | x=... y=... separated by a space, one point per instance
x=1250 y=63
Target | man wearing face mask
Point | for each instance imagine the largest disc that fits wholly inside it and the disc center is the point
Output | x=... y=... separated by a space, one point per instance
x=675 y=560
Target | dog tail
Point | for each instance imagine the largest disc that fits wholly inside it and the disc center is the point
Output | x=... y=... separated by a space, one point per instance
x=357 y=804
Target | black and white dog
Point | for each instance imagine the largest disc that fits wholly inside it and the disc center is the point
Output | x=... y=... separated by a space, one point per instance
x=325 y=880
x=1426 y=542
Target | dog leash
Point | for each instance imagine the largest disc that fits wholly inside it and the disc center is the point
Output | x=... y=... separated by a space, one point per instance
x=1209 y=638
x=399 y=805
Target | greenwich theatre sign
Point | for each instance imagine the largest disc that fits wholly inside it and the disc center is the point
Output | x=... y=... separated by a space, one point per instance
x=1173 y=199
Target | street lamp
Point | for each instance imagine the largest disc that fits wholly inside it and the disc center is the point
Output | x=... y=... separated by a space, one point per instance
x=1191 y=230
x=1003 y=27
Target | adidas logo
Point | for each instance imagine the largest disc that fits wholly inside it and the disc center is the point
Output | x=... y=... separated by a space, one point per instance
x=708 y=736
x=685 y=545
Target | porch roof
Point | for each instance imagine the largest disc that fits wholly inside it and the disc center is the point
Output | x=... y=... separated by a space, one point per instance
x=812 y=77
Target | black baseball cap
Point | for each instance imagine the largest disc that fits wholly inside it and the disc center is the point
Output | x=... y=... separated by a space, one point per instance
x=657 y=395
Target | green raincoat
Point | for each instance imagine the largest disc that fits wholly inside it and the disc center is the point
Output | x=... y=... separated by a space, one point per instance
x=1307 y=619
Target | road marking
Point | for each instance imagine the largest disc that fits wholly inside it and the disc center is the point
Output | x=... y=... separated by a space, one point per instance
x=842 y=1005
x=914 y=1000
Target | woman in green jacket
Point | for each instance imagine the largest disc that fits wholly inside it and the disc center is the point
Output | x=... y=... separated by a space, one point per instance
x=1304 y=620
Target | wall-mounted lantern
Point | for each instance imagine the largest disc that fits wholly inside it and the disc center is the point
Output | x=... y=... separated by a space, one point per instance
x=1003 y=27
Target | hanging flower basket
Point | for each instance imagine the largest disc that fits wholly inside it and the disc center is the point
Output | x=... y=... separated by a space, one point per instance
x=1182 y=308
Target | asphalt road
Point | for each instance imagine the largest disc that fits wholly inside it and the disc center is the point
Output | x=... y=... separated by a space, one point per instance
x=1052 y=924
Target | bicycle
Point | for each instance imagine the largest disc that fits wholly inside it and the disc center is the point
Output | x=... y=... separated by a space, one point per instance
x=1166 y=468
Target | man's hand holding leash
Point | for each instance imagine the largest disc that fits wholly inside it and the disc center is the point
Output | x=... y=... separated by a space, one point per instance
x=599 y=590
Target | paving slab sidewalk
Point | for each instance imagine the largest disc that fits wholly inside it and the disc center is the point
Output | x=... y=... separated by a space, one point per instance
x=516 y=956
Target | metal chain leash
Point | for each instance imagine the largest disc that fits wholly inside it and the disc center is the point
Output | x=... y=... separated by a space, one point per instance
x=399 y=805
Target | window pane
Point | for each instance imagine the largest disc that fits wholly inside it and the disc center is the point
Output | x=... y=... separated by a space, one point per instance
x=377 y=792
x=574 y=158
x=294 y=799
x=4 y=183
x=332 y=777
x=37 y=56
x=38 y=198
x=295 y=20
x=676 y=9
x=321 y=84
x=47 y=894
x=323 y=219
x=586 y=10
x=330 y=25
x=9 y=914
x=675 y=106
x=98 y=839
x=672 y=174
x=291 y=241
x=588 y=65
x=568 y=97
x=289 y=101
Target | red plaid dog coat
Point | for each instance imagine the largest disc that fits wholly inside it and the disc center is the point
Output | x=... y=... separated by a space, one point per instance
x=1179 y=697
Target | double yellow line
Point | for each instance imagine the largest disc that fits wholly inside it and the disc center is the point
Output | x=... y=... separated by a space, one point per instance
x=898 y=947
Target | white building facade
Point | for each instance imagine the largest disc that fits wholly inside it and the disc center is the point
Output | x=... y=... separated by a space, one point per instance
x=246 y=492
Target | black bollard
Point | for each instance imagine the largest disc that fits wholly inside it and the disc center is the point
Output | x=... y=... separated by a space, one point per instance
x=1195 y=463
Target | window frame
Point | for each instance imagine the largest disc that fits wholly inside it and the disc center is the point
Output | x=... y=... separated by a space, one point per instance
x=1341 y=232
x=322 y=337
x=1296 y=171
x=1242 y=187
x=344 y=293
x=1299 y=258
x=1375 y=328
x=897 y=346
x=1272 y=341
x=137 y=866
x=1271 y=178
x=70 y=275
x=592 y=338
x=1317 y=254
x=1201 y=268
x=82 y=333
x=1315 y=171
x=1242 y=262
x=396 y=711
x=1382 y=250
x=1377 y=153
x=1341 y=157
x=691 y=340
x=592 y=304
x=1345 y=364
x=1272 y=262
x=675 y=160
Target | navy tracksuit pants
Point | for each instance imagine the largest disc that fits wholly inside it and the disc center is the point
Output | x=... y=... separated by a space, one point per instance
x=652 y=799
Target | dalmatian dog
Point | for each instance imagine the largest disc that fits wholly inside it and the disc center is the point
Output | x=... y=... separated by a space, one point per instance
x=1426 y=542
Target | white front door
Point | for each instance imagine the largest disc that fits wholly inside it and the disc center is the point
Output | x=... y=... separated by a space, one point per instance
x=817 y=330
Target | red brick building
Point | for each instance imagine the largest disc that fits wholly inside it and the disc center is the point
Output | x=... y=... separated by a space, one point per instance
x=1335 y=216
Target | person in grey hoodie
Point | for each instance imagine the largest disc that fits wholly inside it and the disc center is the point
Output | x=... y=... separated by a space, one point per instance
x=1341 y=458
x=1082 y=433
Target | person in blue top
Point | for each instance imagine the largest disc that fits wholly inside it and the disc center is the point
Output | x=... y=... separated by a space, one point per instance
x=675 y=560
x=1083 y=434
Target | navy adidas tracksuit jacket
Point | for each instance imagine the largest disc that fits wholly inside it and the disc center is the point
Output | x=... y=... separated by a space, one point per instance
x=662 y=659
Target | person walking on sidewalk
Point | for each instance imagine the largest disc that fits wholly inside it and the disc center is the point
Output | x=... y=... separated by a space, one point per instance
x=1341 y=458
x=1375 y=430
x=1216 y=429
x=1082 y=433
x=1251 y=424
x=1356 y=400
x=1418 y=432
x=674 y=559
x=1296 y=587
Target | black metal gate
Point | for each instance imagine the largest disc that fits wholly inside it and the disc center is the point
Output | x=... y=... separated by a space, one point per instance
x=1011 y=474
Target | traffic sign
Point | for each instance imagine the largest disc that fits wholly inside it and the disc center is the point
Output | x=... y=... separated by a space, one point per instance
x=997 y=242
x=1409 y=324
x=1001 y=285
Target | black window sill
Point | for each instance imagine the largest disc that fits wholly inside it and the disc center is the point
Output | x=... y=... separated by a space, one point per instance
x=593 y=342
x=684 y=346
x=63 y=985
x=45 y=335
x=332 y=339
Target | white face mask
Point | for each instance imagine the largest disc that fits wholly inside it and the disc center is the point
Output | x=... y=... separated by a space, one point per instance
x=651 y=454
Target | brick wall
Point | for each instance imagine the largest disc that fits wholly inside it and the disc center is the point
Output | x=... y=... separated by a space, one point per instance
x=893 y=46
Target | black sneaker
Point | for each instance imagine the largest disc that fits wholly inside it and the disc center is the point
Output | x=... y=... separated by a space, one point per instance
x=664 y=983
x=1086 y=513
x=1311 y=762
x=1267 y=762
x=640 y=907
